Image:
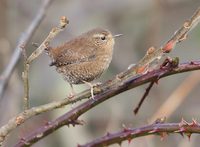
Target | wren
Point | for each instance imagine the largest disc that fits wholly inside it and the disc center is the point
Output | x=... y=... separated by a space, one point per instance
x=84 y=58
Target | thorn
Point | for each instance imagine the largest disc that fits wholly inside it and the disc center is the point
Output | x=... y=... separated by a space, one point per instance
x=194 y=123
x=108 y=134
x=182 y=129
x=160 y=120
x=193 y=63
x=125 y=128
x=188 y=135
x=129 y=140
x=120 y=143
x=153 y=131
x=181 y=133
x=183 y=123
x=157 y=81
x=76 y=122
x=163 y=135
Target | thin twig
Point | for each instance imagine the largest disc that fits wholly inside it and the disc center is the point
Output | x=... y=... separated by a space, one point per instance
x=105 y=94
x=157 y=128
x=36 y=53
x=167 y=62
x=143 y=97
x=45 y=44
x=23 y=40
x=25 y=79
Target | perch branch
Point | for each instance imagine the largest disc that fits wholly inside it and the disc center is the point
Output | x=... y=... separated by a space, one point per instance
x=105 y=92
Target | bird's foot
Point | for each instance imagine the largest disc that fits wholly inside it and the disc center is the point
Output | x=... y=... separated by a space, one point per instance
x=91 y=88
x=97 y=84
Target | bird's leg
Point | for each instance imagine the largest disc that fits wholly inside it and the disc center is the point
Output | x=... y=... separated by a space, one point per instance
x=91 y=88
x=72 y=93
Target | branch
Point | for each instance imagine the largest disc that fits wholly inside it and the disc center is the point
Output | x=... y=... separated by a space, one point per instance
x=27 y=114
x=23 y=40
x=157 y=128
x=105 y=91
x=36 y=53
x=155 y=54
x=143 y=97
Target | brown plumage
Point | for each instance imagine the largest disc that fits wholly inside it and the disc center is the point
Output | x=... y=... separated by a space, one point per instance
x=84 y=58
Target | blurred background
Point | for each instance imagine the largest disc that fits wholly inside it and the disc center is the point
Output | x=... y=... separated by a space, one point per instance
x=144 y=23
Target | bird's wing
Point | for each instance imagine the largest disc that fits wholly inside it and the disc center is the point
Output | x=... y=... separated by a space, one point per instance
x=74 y=55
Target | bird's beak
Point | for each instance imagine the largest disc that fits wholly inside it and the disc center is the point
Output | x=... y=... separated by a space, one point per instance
x=118 y=35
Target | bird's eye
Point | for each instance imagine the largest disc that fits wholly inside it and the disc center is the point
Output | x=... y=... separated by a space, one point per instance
x=103 y=38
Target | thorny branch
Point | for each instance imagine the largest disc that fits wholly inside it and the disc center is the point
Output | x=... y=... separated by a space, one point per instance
x=104 y=94
x=24 y=39
x=158 y=128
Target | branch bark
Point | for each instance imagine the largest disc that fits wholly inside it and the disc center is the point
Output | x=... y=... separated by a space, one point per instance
x=106 y=91
x=161 y=129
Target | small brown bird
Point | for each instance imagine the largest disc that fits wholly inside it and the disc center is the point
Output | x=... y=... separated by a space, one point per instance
x=84 y=58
